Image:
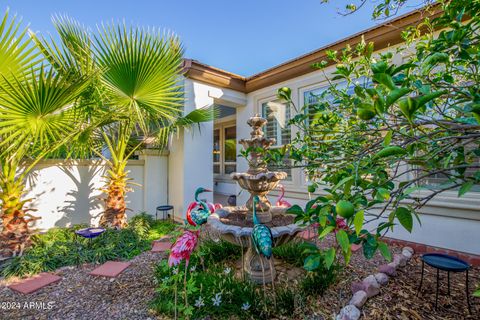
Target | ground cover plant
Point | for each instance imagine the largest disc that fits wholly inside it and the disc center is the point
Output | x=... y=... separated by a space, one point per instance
x=216 y=290
x=59 y=247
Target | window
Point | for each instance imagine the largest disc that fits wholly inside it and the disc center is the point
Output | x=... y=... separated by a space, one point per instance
x=216 y=151
x=230 y=147
x=278 y=115
x=224 y=149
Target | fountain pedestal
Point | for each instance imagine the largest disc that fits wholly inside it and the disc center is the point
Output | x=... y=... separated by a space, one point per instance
x=258 y=181
x=258 y=267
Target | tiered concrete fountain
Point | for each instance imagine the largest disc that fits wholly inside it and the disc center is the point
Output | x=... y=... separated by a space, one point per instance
x=235 y=225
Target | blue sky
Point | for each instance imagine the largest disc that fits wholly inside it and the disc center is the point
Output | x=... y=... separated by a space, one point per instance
x=244 y=37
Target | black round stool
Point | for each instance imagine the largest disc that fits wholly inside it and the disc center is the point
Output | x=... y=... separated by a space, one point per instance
x=165 y=212
x=447 y=263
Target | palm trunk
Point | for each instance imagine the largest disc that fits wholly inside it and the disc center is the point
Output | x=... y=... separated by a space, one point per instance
x=114 y=215
x=15 y=230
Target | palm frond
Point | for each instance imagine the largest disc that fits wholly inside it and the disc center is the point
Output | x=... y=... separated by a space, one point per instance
x=17 y=53
x=197 y=116
x=38 y=111
x=142 y=69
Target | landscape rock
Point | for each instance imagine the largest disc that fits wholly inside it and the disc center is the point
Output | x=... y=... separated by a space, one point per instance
x=407 y=254
x=349 y=312
x=388 y=269
x=357 y=286
x=409 y=249
x=400 y=260
x=358 y=299
x=381 y=278
x=371 y=286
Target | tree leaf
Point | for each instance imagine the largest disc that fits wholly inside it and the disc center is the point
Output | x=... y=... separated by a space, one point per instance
x=329 y=257
x=388 y=138
x=369 y=249
x=358 y=221
x=384 y=79
x=385 y=251
x=465 y=188
x=295 y=209
x=404 y=216
x=343 y=240
x=395 y=95
x=326 y=231
x=312 y=262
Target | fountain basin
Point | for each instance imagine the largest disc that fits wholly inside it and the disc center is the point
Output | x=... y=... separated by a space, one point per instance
x=255 y=266
x=259 y=184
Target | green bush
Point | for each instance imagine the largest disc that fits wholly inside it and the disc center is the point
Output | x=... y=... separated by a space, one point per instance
x=60 y=247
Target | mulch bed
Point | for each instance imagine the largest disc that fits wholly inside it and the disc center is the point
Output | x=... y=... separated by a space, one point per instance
x=81 y=296
x=399 y=299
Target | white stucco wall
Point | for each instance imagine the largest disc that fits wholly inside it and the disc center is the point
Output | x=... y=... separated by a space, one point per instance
x=191 y=157
x=66 y=193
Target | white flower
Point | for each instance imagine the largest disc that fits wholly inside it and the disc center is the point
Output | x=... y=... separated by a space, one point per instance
x=216 y=240
x=193 y=268
x=217 y=299
x=199 y=302
x=165 y=279
x=227 y=270
x=245 y=306
x=175 y=271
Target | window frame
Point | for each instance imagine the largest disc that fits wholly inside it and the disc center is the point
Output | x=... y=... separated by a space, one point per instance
x=222 y=163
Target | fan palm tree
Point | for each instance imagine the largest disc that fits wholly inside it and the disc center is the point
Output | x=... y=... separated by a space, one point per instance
x=38 y=111
x=138 y=94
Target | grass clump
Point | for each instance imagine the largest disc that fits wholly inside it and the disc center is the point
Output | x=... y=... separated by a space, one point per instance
x=60 y=247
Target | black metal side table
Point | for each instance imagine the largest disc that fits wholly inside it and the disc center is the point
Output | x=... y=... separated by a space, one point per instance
x=446 y=263
x=164 y=210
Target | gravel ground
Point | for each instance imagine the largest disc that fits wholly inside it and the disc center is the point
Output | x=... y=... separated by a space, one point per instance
x=81 y=296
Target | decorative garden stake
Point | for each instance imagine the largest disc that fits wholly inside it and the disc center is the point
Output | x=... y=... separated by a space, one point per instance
x=280 y=201
x=199 y=217
x=262 y=240
x=182 y=250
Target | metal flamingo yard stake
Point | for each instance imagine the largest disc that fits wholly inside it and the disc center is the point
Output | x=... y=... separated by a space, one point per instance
x=199 y=216
x=280 y=201
x=262 y=240
x=182 y=250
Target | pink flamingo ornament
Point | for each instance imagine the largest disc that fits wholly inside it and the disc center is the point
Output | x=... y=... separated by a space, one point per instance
x=280 y=201
x=182 y=250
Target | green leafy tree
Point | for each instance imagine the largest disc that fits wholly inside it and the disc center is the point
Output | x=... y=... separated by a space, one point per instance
x=38 y=111
x=383 y=130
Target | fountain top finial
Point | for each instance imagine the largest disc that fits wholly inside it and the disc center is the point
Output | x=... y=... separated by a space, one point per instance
x=256 y=123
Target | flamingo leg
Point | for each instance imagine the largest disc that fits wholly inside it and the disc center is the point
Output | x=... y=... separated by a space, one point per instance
x=185 y=283
x=175 y=299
